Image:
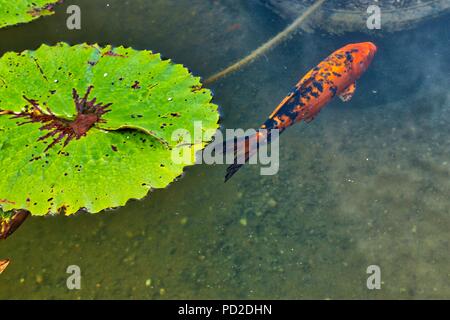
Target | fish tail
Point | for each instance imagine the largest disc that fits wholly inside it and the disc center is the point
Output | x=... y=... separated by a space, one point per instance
x=245 y=149
x=230 y=146
x=231 y=170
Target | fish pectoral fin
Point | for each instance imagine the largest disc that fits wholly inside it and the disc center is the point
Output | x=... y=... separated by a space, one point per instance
x=347 y=94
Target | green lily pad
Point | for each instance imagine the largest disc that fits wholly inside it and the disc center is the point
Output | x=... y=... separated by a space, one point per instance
x=90 y=127
x=20 y=11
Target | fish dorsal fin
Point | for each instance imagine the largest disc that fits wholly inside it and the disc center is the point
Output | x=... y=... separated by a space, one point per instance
x=347 y=94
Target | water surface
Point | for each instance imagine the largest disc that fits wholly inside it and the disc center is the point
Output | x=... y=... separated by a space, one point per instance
x=367 y=182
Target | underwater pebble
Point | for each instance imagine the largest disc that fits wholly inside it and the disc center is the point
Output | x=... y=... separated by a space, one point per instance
x=272 y=203
x=184 y=220
x=243 y=222
x=162 y=291
x=39 y=279
x=148 y=282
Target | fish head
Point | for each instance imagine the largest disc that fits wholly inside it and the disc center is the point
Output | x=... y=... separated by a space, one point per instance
x=361 y=55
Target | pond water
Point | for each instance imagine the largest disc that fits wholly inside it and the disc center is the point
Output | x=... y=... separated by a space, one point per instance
x=366 y=183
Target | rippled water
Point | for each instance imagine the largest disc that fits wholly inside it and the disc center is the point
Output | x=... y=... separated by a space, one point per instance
x=367 y=182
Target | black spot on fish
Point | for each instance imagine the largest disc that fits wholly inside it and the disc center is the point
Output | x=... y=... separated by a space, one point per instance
x=291 y=114
x=333 y=90
x=298 y=100
x=318 y=86
x=270 y=124
x=348 y=56
x=304 y=91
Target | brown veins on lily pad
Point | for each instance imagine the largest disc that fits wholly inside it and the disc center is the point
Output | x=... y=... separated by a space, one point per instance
x=89 y=112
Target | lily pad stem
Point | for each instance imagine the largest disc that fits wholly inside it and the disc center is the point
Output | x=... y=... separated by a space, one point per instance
x=280 y=37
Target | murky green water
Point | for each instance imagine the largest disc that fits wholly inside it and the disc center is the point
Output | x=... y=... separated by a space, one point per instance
x=365 y=183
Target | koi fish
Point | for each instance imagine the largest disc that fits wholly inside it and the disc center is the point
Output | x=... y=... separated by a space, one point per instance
x=3 y=265
x=334 y=76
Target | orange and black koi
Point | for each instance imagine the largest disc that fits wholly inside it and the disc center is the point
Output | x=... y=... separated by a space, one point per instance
x=334 y=76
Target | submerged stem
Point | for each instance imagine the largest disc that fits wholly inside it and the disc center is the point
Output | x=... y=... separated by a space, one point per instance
x=266 y=46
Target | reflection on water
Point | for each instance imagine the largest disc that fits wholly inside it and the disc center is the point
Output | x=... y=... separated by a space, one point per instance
x=366 y=182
